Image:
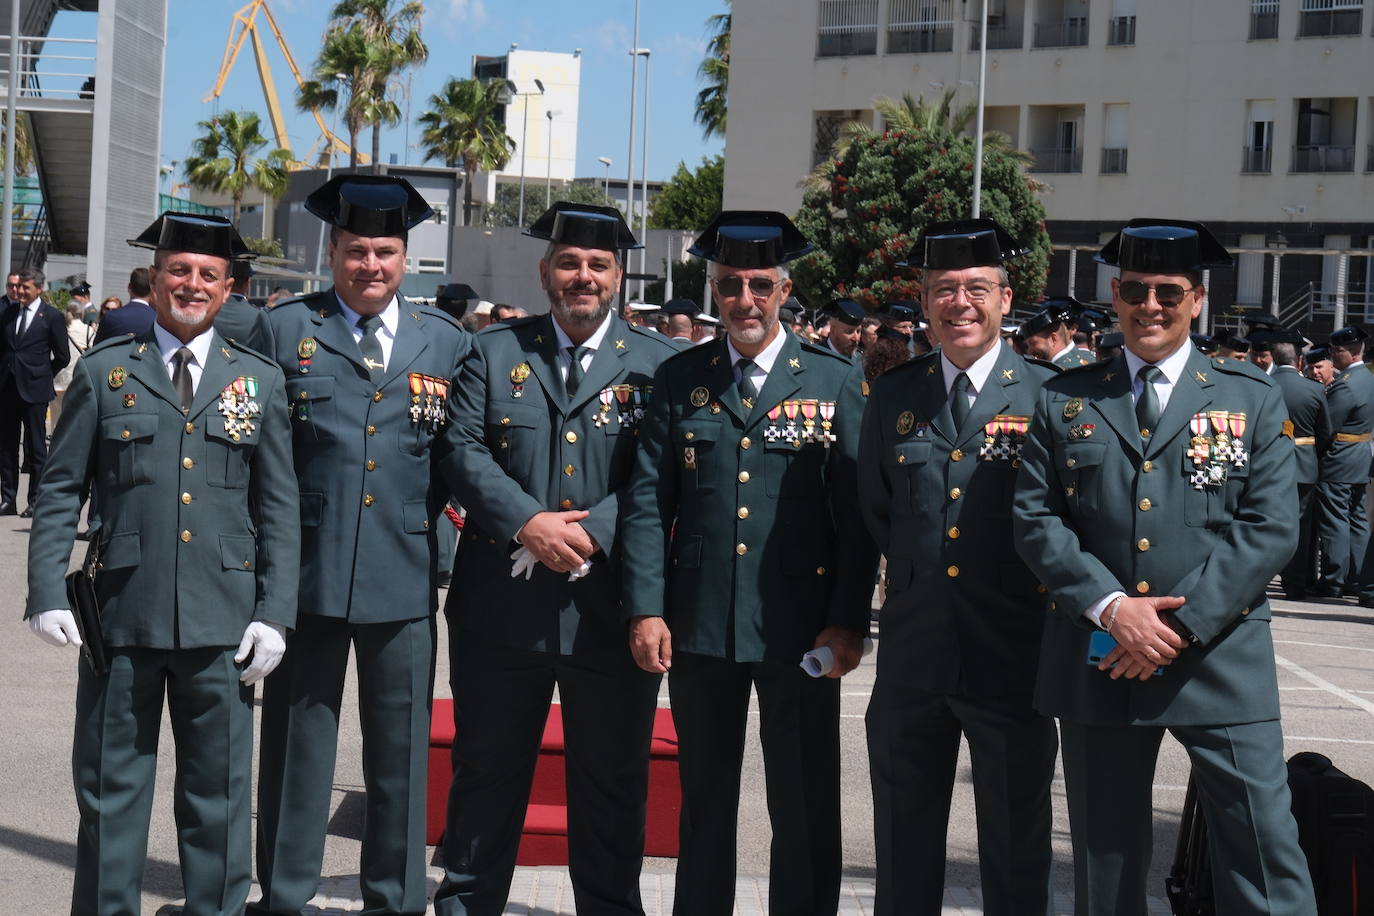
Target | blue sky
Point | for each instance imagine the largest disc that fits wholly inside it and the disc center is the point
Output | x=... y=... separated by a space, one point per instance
x=455 y=30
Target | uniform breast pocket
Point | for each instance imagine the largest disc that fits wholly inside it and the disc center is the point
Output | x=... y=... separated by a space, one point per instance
x=228 y=456
x=1212 y=504
x=511 y=432
x=794 y=470
x=311 y=402
x=696 y=444
x=1080 y=469
x=907 y=469
x=127 y=448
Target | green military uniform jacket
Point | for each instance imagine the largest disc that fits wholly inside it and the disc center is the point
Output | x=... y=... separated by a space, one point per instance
x=198 y=512
x=963 y=613
x=362 y=455
x=748 y=539
x=1306 y=403
x=1350 y=403
x=1096 y=512
x=241 y=321
x=1073 y=358
x=518 y=446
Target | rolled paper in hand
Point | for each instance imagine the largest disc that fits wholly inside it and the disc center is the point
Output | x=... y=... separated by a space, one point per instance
x=820 y=662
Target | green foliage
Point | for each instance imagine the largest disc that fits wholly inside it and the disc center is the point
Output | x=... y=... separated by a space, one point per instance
x=690 y=199
x=463 y=126
x=268 y=248
x=714 y=70
x=505 y=209
x=224 y=159
x=874 y=200
x=689 y=282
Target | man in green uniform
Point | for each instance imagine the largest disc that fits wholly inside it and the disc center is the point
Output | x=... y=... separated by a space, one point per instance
x=961 y=624
x=1342 y=525
x=1156 y=501
x=1048 y=338
x=743 y=552
x=239 y=319
x=183 y=436
x=368 y=376
x=541 y=445
x=846 y=316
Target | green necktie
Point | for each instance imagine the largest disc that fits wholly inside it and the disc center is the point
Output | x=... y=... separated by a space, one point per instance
x=181 y=377
x=371 y=346
x=575 y=371
x=1147 y=405
x=747 y=391
x=959 y=406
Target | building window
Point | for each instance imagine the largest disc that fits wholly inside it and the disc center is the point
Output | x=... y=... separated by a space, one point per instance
x=920 y=26
x=1115 y=134
x=440 y=216
x=1264 y=19
x=847 y=28
x=1326 y=136
x=828 y=127
x=1259 y=137
x=1006 y=25
x=1121 y=27
x=1061 y=24
x=1321 y=18
x=431 y=265
x=1056 y=138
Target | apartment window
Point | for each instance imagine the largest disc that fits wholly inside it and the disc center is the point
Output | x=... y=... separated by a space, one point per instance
x=1321 y=18
x=1061 y=24
x=828 y=127
x=1264 y=19
x=1056 y=138
x=847 y=28
x=1121 y=27
x=1006 y=24
x=1259 y=137
x=1115 y=130
x=920 y=26
x=1326 y=136
x=430 y=265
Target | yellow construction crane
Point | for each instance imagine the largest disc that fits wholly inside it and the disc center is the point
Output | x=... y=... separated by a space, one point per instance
x=245 y=24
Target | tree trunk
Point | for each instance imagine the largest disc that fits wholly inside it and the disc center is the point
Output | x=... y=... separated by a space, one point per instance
x=353 y=148
x=238 y=208
x=377 y=148
x=469 y=169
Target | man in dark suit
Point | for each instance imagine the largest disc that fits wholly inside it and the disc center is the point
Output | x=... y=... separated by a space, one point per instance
x=540 y=448
x=367 y=375
x=33 y=348
x=941 y=446
x=743 y=551
x=184 y=436
x=1155 y=502
x=1342 y=525
x=133 y=317
x=239 y=319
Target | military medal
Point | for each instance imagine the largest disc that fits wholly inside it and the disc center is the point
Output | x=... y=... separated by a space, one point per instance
x=637 y=392
x=808 y=409
x=116 y=377
x=1235 y=422
x=689 y=458
x=700 y=396
x=130 y=399
x=414 y=398
x=715 y=407
x=238 y=407
x=306 y=348
x=622 y=396
x=771 y=431
x=789 y=409
x=1083 y=431
x=1073 y=408
x=603 y=415
x=905 y=421
x=827 y=409
x=517 y=379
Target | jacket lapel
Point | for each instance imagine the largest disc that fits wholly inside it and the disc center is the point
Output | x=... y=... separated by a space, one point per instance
x=145 y=364
x=720 y=381
x=1192 y=393
x=218 y=372
x=994 y=397
x=606 y=362
x=1113 y=402
x=932 y=400
x=539 y=342
x=332 y=331
x=783 y=380
x=410 y=342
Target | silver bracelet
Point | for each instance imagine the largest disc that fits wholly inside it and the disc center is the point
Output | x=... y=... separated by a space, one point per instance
x=1111 y=614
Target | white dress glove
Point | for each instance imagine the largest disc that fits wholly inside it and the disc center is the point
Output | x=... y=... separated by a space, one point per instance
x=57 y=627
x=525 y=563
x=266 y=642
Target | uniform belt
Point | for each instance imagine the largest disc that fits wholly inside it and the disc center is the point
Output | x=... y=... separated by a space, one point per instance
x=1352 y=437
x=1305 y=440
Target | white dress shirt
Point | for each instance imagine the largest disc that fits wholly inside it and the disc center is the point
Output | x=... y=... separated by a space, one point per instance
x=592 y=344
x=763 y=363
x=977 y=373
x=386 y=334
x=199 y=347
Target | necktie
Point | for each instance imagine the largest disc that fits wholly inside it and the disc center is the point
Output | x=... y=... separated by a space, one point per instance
x=23 y=321
x=747 y=391
x=181 y=377
x=575 y=370
x=1147 y=405
x=370 y=346
x=959 y=405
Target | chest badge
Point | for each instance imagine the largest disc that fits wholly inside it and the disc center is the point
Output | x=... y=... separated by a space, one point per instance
x=116 y=377
x=130 y=399
x=700 y=396
x=306 y=348
x=906 y=420
x=1073 y=408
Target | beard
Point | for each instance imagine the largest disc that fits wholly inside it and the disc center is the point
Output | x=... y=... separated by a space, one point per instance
x=192 y=315
x=580 y=316
x=750 y=335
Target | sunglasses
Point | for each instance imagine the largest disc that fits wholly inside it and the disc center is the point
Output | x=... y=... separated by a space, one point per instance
x=730 y=287
x=1169 y=295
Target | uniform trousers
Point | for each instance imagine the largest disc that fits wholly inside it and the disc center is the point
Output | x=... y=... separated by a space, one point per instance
x=1257 y=865
x=17 y=414
x=913 y=752
x=1342 y=531
x=799 y=730
x=501 y=698
x=1298 y=574
x=114 y=762
x=300 y=730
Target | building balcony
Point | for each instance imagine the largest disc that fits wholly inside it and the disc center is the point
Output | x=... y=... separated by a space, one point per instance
x=1323 y=159
x=1121 y=30
x=1113 y=161
x=1066 y=33
x=1327 y=23
x=847 y=42
x=1057 y=160
x=1006 y=37
x=1264 y=22
x=920 y=39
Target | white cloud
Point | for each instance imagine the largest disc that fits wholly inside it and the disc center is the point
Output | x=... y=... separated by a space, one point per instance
x=468 y=12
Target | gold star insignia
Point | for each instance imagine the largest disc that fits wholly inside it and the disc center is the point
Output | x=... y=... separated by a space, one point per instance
x=1006 y=374
x=794 y=362
x=1108 y=376
x=620 y=344
x=1200 y=376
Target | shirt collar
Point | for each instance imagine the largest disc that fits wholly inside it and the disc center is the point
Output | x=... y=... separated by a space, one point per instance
x=168 y=344
x=1172 y=365
x=592 y=343
x=391 y=315
x=977 y=373
x=767 y=357
x=1069 y=349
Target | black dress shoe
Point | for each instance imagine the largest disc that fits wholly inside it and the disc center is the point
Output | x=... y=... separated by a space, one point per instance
x=8 y=509
x=27 y=513
x=1367 y=601
x=1323 y=591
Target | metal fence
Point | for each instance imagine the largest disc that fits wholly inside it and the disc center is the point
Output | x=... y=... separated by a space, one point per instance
x=52 y=68
x=1057 y=160
x=1066 y=33
x=1257 y=160
x=1121 y=30
x=847 y=28
x=1113 y=161
x=1264 y=19
x=1005 y=37
x=1325 y=158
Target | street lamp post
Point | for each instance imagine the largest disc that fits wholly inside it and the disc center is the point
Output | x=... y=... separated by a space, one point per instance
x=644 y=174
x=978 y=129
x=524 y=133
x=548 y=180
x=606 y=182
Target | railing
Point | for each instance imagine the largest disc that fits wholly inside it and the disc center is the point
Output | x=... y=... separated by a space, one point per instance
x=1121 y=30
x=1005 y=37
x=1298 y=307
x=1323 y=159
x=1328 y=22
x=1257 y=160
x=1358 y=305
x=68 y=73
x=847 y=28
x=1057 y=160
x=167 y=202
x=1113 y=161
x=1068 y=33
x=40 y=239
x=920 y=39
x=1264 y=20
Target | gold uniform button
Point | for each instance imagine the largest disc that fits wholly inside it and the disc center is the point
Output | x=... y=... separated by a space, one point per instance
x=690 y=436
x=372 y=464
x=425 y=524
x=1071 y=462
x=742 y=511
x=372 y=430
x=566 y=504
x=745 y=443
x=185 y=537
x=368 y=500
x=743 y=477
x=1148 y=466
x=247 y=564
x=187 y=463
x=901 y=459
x=1245 y=612
x=505 y=421
x=570 y=436
x=190 y=428
x=1142 y=545
x=955 y=493
x=953 y=533
x=952 y=572
x=1145 y=504
x=124 y=435
x=956 y=455
x=820 y=570
x=741 y=549
x=186 y=499
x=1040 y=587
x=1142 y=586
x=1144 y=434
x=376 y=396
x=1069 y=491
x=569 y=470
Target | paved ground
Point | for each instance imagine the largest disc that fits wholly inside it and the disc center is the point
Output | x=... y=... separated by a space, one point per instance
x=1325 y=653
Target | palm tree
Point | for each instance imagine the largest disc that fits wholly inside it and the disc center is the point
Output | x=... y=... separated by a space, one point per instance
x=342 y=77
x=715 y=70
x=391 y=42
x=223 y=159
x=23 y=145
x=463 y=125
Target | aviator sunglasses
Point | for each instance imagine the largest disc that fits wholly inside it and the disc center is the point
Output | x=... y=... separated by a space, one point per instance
x=730 y=287
x=1169 y=295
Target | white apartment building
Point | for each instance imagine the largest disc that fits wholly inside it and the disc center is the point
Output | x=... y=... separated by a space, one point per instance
x=542 y=115
x=1253 y=116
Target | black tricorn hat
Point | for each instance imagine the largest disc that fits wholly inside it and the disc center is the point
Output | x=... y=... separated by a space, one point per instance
x=960 y=243
x=584 y=226
x=793 y=306
x=212 y=235
x=373 y=206
x=81 y=289
x=453 y=299
x=846 y=310
x=1111 y=339
x=680 y=306
x=1349 y=335
x=1205 y=342
x=900 y=310
x=1317 y=354
x=1052 y=315
x=1164 y=246
x=241 y=269
x=893 y=334
x=751 y=238
x=1236 y=344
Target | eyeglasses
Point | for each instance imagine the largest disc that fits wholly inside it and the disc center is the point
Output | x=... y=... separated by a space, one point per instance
x=1169 y=295
x=730 y=287
x=976 y=292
